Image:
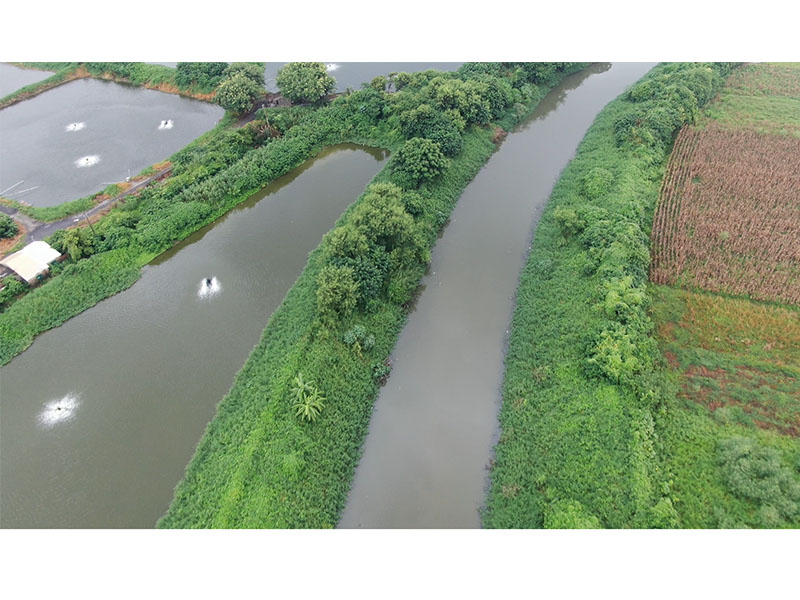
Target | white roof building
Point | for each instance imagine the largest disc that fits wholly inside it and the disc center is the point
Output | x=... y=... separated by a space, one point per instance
x=34 y=259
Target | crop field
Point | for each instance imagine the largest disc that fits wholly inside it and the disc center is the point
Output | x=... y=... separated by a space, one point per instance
x=727 y=225
x=729 y=215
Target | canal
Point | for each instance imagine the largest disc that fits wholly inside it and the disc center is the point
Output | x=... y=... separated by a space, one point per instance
x=99 y=417
x=425 y=460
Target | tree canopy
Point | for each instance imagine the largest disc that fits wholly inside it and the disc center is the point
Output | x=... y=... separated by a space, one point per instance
x=305 y=82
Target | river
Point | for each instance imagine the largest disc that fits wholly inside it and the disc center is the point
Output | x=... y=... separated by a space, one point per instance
x=77 y=138
x=425 y=460
x=99 y=417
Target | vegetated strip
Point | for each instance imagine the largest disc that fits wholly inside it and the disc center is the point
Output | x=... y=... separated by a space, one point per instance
x=259 y=464
x=577 y=446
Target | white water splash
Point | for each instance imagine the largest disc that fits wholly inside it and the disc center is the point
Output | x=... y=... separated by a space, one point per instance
x=209 y=287
x=87 y=161
x=331 y=67
x=166 y=124
x=75 y=126
x=59 y=411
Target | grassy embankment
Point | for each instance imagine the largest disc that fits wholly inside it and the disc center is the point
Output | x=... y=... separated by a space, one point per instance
x=577 y=447
x=730 y=431
x=258 y=464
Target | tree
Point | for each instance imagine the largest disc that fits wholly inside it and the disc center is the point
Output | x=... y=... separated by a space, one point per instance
x=253 y=71
x=305 y=82
x=337 y=292
x=418 y=160
x=8 y=227
x=206 y=75
x=238 y=93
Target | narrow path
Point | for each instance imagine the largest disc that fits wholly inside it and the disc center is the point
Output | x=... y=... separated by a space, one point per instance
x=39 y=230
x=425 y=460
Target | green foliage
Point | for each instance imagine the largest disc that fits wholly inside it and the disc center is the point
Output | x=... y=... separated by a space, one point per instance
x=337 y=293
x=570 y=514
x=307 y=401
x=418 y=161
x=254 y=72
x=8 y=227
x=203 y=75
x=11 y=288
x=597 y=182
x=756 y=473
x=238 y=92
x=305 y=82
x=426 y=122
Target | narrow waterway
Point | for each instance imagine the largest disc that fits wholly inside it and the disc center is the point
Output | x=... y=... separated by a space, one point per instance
x=99 y=417
x=425 y=459
x=13 y=78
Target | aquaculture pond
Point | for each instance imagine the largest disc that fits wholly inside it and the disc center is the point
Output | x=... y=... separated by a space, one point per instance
x=425 y=460
x=13 y=78
x=100 y=416
x=77 y=138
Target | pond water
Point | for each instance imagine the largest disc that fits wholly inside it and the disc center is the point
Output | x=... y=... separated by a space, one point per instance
x=425 y=459
x=13 y=78
x=99 y=417
x=77 y=138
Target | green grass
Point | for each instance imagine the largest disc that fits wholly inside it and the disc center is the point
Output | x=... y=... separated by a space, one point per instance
x=733 y=372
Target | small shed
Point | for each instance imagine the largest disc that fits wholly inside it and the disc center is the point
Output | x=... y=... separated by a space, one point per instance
x=33 y=260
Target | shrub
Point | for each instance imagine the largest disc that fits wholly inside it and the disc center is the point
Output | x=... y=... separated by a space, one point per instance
x=252 y=71
x=756 y=473
x=204 y=75
x=337 y=292
x=8 y=227
x=597 y=182
x=419 y=160
x=570 y=514
x=305 y=82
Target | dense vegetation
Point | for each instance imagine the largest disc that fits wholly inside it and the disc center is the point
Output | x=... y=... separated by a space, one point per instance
x=577 y=447
x=305 y=82
x=260 y=463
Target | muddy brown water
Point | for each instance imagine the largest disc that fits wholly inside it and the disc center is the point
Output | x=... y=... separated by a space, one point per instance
x=99 y=417
x=425 y=459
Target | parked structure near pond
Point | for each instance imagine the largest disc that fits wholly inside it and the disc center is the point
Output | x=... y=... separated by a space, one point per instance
x=30 y=262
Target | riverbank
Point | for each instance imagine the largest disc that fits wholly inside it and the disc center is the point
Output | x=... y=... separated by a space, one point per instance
x=577 y=448
x=258 y=465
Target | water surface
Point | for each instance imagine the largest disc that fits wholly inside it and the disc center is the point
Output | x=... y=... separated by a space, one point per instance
x=99 y=417
x=435 y=422
x=13 y=78
x=77 y=138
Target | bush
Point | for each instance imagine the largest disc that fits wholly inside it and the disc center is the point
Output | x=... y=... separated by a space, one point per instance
x=570 y=514
x=203 y=75
x=305 y=82
x=597 y=182
x=337 y=293
x=756 y=473
x=252 y=71
x=419 y=160
x=8 y=227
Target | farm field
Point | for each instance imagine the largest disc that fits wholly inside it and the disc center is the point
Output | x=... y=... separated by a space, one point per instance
x=725 y=235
